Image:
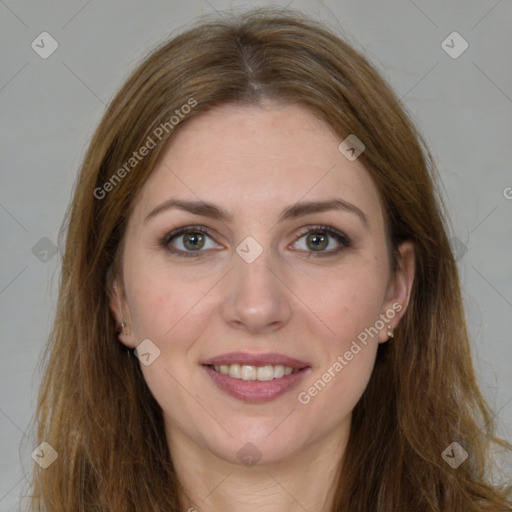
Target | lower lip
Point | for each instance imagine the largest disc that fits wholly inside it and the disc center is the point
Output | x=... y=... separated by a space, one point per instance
x=255 y=390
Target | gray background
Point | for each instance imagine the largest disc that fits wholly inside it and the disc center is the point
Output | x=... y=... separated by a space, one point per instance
x=50 y=107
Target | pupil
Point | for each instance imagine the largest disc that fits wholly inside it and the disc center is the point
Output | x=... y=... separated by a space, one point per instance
x=318 y=241
x=193 y=241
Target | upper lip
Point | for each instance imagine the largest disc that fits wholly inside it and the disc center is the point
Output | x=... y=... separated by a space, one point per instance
x=256 y=360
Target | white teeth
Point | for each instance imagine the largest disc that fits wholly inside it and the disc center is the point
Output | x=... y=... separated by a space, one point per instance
x=250 y=372
x=234 y=371
x=265 y=372
x=279 y=371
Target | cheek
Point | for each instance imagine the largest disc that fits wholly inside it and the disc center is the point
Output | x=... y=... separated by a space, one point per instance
x=330 y=396
x=350 y=305
x=348 y=302
x=167 y=309
x=336 y=385
x=155 y=307
x=160 y=297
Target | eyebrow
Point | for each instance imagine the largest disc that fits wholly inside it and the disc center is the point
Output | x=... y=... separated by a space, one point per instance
x=292 y=212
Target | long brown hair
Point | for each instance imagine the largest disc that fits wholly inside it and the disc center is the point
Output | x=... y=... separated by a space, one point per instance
x=94 y=406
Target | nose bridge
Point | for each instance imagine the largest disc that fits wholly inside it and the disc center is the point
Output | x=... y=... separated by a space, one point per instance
x=256 y=299
x=256 y=276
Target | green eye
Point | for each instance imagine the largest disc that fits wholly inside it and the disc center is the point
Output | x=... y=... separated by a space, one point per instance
x=317 y=242
x=194 y=241
x=320 y=238
x=188 y=241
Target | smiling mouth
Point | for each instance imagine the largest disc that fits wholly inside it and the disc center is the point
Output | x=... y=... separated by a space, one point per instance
x=251 y=372
x=257 y=382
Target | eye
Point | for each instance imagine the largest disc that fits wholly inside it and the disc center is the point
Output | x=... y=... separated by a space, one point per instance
x=193 y=241
x=188 y=240
x=320 y=238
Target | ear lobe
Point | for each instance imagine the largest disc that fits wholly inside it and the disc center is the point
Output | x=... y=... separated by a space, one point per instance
x=399 y=290
x=116 y=299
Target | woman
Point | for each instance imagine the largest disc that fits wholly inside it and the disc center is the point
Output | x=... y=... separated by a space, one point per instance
x=259 y=306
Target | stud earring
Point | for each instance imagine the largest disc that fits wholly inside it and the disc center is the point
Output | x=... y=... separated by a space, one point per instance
x=124 y=328
x=390 y=331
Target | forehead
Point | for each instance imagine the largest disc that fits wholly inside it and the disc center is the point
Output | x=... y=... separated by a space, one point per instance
x=257 y=160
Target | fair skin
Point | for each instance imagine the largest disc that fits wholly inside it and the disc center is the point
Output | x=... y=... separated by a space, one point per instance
x=254 y=163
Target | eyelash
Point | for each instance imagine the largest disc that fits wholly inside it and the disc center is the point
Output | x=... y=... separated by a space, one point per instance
x=340 y=237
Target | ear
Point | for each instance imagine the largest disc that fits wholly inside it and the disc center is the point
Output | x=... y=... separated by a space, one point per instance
x=399 y=290
x=121 y=313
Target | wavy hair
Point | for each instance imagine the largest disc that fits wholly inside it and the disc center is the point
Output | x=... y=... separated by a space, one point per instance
x=94 y=406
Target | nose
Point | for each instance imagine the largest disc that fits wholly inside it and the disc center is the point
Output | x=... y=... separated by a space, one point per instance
x=256 y=300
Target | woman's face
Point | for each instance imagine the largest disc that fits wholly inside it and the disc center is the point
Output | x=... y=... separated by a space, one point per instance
x=256 y=249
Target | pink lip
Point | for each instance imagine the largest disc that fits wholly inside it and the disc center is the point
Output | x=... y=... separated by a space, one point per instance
x=256 y=360
x=255 y=390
